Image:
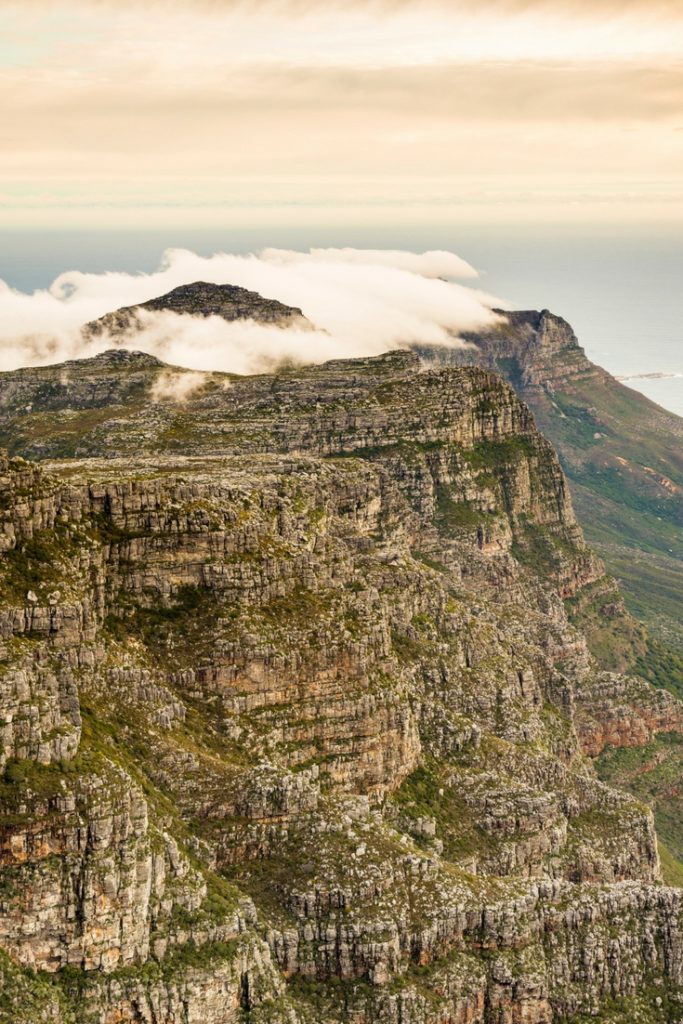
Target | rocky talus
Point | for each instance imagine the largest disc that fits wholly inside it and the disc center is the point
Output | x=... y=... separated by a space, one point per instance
x=294 y=725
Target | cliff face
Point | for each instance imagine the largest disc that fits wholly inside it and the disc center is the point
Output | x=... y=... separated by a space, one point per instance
x=622 y=454
x=536 y=349
x=293 y=723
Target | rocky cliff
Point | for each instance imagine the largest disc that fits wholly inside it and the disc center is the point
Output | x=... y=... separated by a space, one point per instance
x=623 y=457
x=622 y=454
x=294 y=726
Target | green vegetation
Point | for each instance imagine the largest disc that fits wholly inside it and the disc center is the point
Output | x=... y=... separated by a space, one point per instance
x=454 y=517
x=662 y=666
x=579 y=425
x=427 y=793
x=39 y=563
x=672 y=869
x=535 y=547
x=176 y=633
x=496 y=455
x=617 y=640
x=653 y=774
x=627 y=487
x=27 y=997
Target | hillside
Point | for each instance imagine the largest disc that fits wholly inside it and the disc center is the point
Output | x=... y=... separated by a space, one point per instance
x=295 y=726
x=622 y=453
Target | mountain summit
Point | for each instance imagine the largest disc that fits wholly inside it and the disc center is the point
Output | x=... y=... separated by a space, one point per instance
x=227 y=301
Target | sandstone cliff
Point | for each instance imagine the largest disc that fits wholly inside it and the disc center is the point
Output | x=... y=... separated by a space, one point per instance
x=623 y=457
x=294 y=726
x=622 y=454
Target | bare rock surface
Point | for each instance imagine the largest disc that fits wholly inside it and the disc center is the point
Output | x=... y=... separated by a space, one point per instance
x=226 y=301
x=294 y=723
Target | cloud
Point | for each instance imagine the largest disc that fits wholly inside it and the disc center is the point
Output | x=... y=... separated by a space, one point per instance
x=359 y=303
x=294 y=8
x=435 y=263
x=116 y=110
x=176 y=387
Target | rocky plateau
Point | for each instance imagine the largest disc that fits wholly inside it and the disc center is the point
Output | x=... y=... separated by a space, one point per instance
x=301 y=709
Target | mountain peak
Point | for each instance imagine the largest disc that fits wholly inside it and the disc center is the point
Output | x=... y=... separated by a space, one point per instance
x=200 y=298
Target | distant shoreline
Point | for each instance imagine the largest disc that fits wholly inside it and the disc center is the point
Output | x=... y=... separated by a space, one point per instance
x=649 y=376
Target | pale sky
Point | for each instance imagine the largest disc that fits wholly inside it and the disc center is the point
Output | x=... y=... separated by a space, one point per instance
x=218 y=112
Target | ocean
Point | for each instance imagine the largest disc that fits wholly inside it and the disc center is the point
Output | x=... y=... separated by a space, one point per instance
x=620 y=288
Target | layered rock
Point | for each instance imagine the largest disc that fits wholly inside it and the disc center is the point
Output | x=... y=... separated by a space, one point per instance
x=620 y=450
x=620 y=711
x=295 y=723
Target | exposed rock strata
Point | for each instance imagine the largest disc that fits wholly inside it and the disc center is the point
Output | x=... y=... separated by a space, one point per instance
x=294 y=726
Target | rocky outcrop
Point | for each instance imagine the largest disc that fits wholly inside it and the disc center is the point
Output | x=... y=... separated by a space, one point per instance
x=295 y=723
x=534 y=349
x=200 y=299
x=621 y=711
x=620 y=451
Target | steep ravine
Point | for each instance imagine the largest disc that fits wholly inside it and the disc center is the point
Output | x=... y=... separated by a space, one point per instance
x=294 y=726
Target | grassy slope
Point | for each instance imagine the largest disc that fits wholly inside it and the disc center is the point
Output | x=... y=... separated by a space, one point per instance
x=653 y=773
x=627 y=486
x=628 y=490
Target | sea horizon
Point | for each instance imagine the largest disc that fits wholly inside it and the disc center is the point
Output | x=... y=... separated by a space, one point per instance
x=618 y=288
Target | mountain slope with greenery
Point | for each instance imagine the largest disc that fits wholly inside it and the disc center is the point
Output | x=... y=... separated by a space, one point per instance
x=623 y=456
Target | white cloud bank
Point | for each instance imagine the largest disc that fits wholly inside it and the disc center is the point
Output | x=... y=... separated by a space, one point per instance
x=361 y=302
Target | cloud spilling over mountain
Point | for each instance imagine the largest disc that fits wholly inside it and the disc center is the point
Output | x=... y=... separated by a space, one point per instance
x=356 y=302
x=435 y=263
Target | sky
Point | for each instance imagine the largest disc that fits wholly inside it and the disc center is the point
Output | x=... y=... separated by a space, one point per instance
x=214 y=112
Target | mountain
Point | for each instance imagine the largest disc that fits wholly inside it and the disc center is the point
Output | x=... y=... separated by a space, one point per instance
x=198 y=299
x=295 y=727
x=623 y=456
x=622 y=453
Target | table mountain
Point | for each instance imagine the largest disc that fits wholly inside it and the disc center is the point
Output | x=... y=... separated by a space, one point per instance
x=294 y=723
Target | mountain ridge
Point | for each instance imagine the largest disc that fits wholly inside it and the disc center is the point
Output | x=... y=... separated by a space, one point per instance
x=200 y=298
x=295 y=727
x=620 y=450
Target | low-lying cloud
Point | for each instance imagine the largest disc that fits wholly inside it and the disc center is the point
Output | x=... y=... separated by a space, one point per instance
x=170 y=385
x=360 y=302
x=435 y=263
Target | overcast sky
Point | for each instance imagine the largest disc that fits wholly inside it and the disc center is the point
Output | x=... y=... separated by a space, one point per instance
x=116 y=113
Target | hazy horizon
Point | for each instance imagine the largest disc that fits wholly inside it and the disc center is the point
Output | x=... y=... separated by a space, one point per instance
x=277 y=114
x=540 y=139
x=618 y=290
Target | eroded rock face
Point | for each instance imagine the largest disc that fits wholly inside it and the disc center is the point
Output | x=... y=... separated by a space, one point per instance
x=622 y=454
x=537 y=349
x=621 y=711
x=294 y=724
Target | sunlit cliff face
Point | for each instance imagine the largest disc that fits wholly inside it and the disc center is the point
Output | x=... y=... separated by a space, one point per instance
x=119 y=113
